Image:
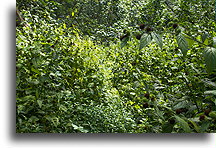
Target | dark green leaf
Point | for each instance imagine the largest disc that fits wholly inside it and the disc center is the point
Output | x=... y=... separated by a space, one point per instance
x=167 y=127
x=145 y=40
x=33 y=119
x=204 y=126
x=196 y=127
x=40 y=102
x=204 y=37
x=210 y=59
x=158 y=39
x=183 y=124
x=183 y=44
x=124 y=41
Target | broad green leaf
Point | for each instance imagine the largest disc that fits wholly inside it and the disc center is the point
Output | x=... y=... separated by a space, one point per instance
x=79 y=128
x=210 y=83
x=204 y=37
x=33 y=119
x=55 y=121
x=199 y=38
x=190 y=41
x=212 y=114
x=183 y=44
x=75 y=126
x=167 y=127
x=72 y=14
x=40 y=103
x=34 y=81
x=145 y=40
x=182 y=104
x=159 y=113
x=204 y=126
x=210 y=59
x=214 y=42
x=183 y=124
x=124 y=41
x=63 y=108
x=206 y=42
x=28 y=98
x=17 y=81
x=195 y=126
x=35 y=70
x=212 y=92
x=158 y=39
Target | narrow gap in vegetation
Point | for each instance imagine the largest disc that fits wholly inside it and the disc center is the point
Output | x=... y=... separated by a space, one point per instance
x=115 y=66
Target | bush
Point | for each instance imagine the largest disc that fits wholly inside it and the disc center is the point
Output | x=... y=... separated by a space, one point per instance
x=68 y=81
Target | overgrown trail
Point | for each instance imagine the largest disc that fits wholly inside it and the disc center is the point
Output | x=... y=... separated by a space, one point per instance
x=136 y=67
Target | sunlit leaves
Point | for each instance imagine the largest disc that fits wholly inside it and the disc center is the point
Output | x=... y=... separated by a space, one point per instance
x=211 y=92
x=190 y=41
x=79 y=128
x=68 y=83
x=210 y=58
x=55 y=121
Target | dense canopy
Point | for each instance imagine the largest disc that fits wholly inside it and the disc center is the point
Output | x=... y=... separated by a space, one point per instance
x=115 y=66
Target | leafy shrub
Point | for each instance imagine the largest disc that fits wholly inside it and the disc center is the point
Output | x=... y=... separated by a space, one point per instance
x=161 y=82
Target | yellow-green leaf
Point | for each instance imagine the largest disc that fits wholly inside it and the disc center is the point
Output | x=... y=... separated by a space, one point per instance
x=213 y=114
x=72 y=14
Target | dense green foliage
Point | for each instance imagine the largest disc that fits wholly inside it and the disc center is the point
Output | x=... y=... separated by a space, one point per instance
x=116 y=66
